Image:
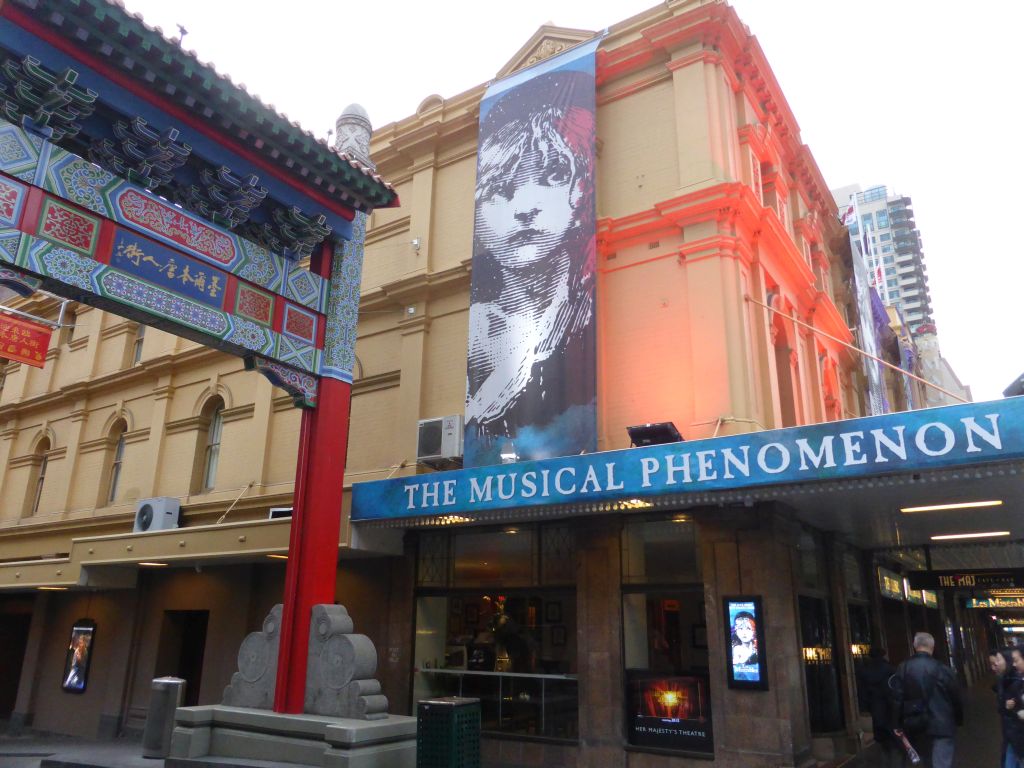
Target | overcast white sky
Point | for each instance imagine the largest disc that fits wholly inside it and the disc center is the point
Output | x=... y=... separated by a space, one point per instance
x=920 y=95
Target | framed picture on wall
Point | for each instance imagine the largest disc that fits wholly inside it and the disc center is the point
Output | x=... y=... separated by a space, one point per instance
x=745 y=654
x=558 y=636
x=79 y=656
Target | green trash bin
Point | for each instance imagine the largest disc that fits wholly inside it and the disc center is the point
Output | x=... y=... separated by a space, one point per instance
x=448 y=733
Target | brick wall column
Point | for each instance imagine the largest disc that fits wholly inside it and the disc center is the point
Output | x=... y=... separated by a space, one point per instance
x=599 y=643
x=751 y=552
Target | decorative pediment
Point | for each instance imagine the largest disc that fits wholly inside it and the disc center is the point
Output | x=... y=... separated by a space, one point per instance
x=546 y=42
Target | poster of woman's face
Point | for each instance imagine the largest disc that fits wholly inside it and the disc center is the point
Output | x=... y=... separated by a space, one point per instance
x=745 y=653
x=531 y=383
x=79 y=654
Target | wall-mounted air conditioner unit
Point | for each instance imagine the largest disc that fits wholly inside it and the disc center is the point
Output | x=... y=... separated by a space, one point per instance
x=440 y=441
x=159 y=514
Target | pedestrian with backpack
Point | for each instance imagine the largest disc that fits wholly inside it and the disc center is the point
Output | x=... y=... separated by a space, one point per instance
x=927 y=704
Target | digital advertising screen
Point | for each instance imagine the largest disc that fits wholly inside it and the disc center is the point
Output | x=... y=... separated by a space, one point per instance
x=746 y=655
x=79 y=655
x=669 y=712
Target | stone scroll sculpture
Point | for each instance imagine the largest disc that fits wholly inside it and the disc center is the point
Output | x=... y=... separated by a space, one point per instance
x=254 y=682
x=339 y=675
x=339 y=671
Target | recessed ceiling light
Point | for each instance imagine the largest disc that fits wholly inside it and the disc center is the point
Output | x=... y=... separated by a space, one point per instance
x=153 y=565
x=978 y=535
x=961 y=505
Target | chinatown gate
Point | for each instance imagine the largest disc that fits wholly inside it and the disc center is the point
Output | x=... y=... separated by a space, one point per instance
x=135 y=179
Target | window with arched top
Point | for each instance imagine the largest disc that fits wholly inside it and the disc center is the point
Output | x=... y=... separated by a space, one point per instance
x=38 y=477
x=117 y=441
x=204 y=476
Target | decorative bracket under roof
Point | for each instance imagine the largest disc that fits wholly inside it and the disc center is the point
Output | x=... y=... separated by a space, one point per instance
x=300 y=385
x=145 y=157
x=224 y=198
x=293 y=234
x=546 y=42
x=43 y=101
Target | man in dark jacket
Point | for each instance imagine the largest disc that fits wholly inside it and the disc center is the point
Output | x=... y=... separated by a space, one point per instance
x=927 y=703
x=873 y=696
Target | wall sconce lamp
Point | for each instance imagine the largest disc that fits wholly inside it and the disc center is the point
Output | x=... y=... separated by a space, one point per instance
x=415 y=244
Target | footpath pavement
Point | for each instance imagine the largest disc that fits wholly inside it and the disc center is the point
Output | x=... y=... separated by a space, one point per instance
x=978 y=744
x=49 y=751
x=979 y=741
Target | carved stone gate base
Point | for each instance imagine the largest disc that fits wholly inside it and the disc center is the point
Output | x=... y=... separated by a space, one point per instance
x=346 y=724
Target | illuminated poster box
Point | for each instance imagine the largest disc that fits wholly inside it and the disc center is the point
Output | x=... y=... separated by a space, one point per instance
x=669 y=712
x=79 y=656
x=746 y=655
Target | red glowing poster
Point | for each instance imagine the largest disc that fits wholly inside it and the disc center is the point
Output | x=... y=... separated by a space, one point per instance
x=669 y=712
x=22 y=341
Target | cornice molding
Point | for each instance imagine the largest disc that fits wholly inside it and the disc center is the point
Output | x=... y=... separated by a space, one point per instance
x=378 y=381
x=238 y=413
x=119 y=328
x=28 y=460
x=99 y=444
x=416 y=288
x=283 y=403
x=136 y=436
x=190 y=424
x=384 y=231
x=83 y=389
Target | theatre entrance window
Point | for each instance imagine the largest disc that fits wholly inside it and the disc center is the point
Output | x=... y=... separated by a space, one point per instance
x=817 y=635
x=496 y=620
x=665 y=645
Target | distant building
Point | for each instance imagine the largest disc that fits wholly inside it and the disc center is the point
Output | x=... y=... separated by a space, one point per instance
x=936 y=369
x=895 y=261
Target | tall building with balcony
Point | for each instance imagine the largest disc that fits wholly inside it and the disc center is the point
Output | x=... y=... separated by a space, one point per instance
x=895 y=259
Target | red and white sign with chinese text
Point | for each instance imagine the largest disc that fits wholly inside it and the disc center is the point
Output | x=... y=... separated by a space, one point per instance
x=22 y=341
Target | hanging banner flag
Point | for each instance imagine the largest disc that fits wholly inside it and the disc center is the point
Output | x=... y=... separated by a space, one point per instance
x=22 y=341
x=861 y=247
x=532 y=362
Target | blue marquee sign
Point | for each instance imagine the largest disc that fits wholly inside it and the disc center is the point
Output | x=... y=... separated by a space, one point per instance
x=897 y=442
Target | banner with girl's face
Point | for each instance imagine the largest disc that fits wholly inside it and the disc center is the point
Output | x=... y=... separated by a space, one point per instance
x=532 y=362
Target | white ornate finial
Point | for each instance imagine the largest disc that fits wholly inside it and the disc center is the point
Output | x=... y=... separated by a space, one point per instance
x=353 y=134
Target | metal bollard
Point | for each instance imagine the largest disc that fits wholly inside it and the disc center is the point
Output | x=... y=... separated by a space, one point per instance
x=167 y=695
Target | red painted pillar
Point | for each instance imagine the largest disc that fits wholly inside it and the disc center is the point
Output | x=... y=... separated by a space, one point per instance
x=316 y=525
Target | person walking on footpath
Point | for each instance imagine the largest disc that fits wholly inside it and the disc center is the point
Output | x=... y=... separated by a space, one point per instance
x=926 y=704
x=873 y=697
x=1010 y=692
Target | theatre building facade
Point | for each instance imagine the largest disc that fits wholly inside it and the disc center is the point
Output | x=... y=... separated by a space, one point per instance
x=619 y=243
